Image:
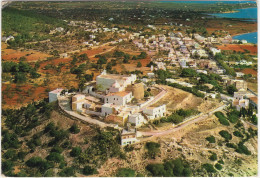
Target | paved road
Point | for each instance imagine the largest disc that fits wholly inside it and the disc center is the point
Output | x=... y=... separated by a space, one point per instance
x=156 y=98
x=190 y=121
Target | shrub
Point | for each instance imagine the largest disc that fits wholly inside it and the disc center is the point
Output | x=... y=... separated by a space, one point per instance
x=21 y=155
x=231 y=145
x=222 y=119
x=139 y=64
x=238 y=134
x=225 y=135
x=128 y=148
x=7 y=166
x=218 y=166
x=153 y=148
x=56 y=157
x=221 y=161
x=213 y=157
x=211 y=139
x=87 y=170
x=57 y=149
x=75 y=151
x=171 y=168
x=74 y=129
x=241 y=148
x=156 y=169
x=9 y=154
x=34 y=162
x=233 y=118
x=209 y=167
x=67 y=172
x=125 y=172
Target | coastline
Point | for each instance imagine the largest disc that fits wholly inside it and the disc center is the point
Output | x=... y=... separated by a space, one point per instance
x=242 y=34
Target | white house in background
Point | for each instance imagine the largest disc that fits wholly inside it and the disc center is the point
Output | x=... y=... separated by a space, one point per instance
x=78 y=102
x=63 y=55
x=137 y=119
x=53 y=95
x=150 y=75
x=117 y=82
x=155 y=112
x=243 y=41
x=215 y=51
x=119 y=98
x=240 y=74
x=183 y=63
x=128 y=136
x=202 y=71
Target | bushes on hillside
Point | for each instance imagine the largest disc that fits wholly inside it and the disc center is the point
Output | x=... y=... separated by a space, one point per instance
x=209 y=168
x=125 y=172
x=213 y=157
x=222 y=119
x=211 y=139
x=87 y=170
x=238 y=134
x=153 y=149
x=218 y=166
x=227 y=136
x=171 y=168
x=188 y=89
x=241 y=148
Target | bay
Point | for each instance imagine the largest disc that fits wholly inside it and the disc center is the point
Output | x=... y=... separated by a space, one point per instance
x=250 y=37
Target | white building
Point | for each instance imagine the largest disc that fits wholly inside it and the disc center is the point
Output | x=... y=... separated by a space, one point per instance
x=107 y=109
x=215 y=51
x=240 y=74
x=119 y=98
x=53 y=95
x=117 y=82
x=155 y=112
x=78 y=102
x=128 y=136
x=136 y=119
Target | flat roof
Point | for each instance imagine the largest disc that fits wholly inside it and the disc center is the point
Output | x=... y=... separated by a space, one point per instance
x=114 y=76
x=121 y=93
x=56 y=91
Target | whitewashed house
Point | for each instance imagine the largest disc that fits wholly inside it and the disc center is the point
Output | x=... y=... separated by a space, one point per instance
x=106 y=81
x=119 y=98
x=53 y=95
x=128 y=136
x=136 y=119
x=155 y=112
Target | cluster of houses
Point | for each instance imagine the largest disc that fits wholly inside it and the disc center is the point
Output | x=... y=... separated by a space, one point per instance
x=182 y=51
x=110 y=97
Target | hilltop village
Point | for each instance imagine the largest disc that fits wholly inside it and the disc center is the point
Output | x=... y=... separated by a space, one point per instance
x=128 y=89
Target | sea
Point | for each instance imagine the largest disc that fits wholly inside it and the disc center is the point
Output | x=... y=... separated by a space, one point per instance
x=247 y=14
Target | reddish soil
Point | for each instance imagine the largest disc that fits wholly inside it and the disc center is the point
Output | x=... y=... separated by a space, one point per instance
x=95 y=51
x=17 y=95
x=239 y=47
x=249 y=71
x=14 y=55
x=54 y=62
